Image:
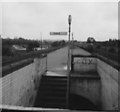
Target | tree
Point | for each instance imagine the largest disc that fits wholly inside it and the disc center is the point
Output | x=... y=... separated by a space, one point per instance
x=55 y=44
x=58 y=43
x=32 y=45
x=90 y=40
x=90 y=48
x=111 y=50
x=6 y=51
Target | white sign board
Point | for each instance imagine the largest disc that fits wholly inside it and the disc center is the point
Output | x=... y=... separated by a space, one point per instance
x=58 y=33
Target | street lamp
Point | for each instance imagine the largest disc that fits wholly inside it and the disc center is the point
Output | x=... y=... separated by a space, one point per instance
x=69 y=22
x=72 y=43
x=69 y=19
x=68 y=82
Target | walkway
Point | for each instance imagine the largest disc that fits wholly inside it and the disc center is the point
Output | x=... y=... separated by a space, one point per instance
x=57 y=61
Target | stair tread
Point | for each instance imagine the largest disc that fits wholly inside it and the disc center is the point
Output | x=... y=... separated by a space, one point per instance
x=53 y=82
x=52 y=88
x=54 y=76
x=55 y=79
x=53 y=96
x=53 y=105
x=52 y=91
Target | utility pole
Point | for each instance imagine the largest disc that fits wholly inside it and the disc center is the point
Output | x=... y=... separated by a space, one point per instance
x=41 y=40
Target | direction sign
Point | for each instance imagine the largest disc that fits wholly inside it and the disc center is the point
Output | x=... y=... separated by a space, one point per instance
x=58 y=33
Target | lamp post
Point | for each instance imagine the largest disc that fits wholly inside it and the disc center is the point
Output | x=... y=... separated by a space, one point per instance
x=69 y=22
x=68 y=68
x=72 y=43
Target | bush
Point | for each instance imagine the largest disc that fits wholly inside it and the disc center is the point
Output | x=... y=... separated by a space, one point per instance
x=32 y=45
x=111 y=50
x=90 y=48
x=98 y=46
x=6 y=51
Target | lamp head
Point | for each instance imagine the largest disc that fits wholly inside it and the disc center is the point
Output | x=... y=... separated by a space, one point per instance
x=69 y=19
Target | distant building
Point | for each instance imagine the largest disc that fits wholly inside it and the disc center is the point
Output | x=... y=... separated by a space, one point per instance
x=18 y=47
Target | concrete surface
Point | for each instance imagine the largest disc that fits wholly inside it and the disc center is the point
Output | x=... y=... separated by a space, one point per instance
x=109 y=85
x=82 y=64
x=89 y=88
x=20 y=87
x=57 y=61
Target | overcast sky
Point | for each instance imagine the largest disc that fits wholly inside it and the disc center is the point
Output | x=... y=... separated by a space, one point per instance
x=29 y=20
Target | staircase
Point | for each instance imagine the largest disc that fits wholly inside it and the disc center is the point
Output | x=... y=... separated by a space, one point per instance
x=52 y=92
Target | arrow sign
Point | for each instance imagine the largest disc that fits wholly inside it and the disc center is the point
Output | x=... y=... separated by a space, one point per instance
x=58 y=33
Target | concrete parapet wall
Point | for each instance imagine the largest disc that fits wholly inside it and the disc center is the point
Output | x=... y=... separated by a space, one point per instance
x=20 y=87
x=87 y=88
x=106 y=88
x=109 y=85
x=84 y=64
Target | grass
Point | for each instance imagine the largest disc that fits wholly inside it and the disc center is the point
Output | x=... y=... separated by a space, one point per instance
x=106 y=53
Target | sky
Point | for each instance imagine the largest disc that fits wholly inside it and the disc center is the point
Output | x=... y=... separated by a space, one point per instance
x=35 y=20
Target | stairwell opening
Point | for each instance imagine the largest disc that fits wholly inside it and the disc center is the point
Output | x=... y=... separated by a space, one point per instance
x=52 y=94
x=77 y=102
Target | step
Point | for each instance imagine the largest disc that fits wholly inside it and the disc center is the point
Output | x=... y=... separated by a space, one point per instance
x=58 y=93
x=52 y=105
x=52 y=92
x=52 y=100
x=54 y=78
x=53 y=88
x=53 y=95
x=53 y=83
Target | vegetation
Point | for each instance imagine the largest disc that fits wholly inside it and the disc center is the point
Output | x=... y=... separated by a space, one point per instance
x=32 y=45
x=58 y=43
x=6 y=50
x=109 y=49
x=10 y=54
x=90 y=40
